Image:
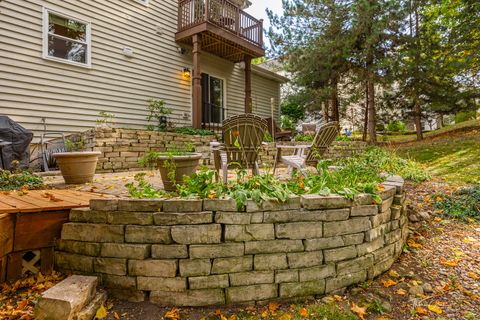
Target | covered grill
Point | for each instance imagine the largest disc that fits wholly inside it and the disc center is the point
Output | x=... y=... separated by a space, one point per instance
x=14 y=142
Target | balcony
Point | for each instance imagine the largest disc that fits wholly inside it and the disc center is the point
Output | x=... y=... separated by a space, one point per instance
x=225 y=30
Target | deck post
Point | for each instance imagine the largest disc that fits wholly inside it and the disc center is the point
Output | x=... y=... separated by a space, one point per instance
x=197 y=84
x=248 y=84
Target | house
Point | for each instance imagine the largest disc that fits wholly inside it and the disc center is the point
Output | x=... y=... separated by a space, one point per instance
x=64 y=61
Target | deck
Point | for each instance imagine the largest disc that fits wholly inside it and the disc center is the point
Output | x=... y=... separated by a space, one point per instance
x=30 y=223
x=44 y=200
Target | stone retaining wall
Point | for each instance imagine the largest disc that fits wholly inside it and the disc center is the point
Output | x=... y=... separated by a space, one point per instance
x=122 y=148
x=205 y=252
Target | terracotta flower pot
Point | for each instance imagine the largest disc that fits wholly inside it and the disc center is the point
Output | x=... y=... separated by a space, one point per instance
x=183 y=165
x=77 y=167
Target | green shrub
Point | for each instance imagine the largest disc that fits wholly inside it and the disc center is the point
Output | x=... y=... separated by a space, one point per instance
x=463 y=204
x=193 y=131
x=286 y=122
x=294 y=111
x=16 y=181
x=396 y=126
x=141 y=189
x=304 y=137
x=465 y=116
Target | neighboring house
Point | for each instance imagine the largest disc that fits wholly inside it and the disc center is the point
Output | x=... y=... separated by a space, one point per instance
x=64 y=61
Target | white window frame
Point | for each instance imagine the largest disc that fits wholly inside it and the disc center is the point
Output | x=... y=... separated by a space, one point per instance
x=88 y=39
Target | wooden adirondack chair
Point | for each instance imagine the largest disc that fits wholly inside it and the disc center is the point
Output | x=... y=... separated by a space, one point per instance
x=307 y=154
x=243 y=136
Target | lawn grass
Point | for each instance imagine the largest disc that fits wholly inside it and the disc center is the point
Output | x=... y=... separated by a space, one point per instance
x=412 y=137
x=457 y=159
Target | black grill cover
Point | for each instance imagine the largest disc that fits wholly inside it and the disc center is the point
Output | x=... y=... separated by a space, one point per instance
x=20 y=138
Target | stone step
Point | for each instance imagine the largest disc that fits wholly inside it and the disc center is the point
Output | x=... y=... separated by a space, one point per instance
x=66 y=299
x=89 y=312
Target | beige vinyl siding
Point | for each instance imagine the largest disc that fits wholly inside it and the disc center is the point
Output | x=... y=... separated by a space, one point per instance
x=70 y=97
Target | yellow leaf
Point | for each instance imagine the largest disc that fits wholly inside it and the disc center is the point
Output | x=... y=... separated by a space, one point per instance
x=173 y=314
x=393 y=273
x=116 y=316
x=469 y=240
x=361 y=312
x=264 y=314
x=434 y=308
x=450 y=263
x=303 y=312
x=411 y=243
x=401 y=292
x=101 y=313
x=421 y=310
x=472 y=275
x=232 y=317
x=285 y=316
x=437 y=219
x=388 y=283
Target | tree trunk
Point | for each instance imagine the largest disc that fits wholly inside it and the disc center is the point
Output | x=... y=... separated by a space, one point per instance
x=365 y=122
x=372 y=123
x=440 y=121
x=417 y=108
x=334 y=102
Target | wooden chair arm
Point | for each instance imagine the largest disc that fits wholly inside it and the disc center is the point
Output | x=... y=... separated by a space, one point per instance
x=300 y=146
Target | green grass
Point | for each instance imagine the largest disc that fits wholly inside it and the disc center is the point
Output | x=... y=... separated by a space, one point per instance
x=455 y=159
x=430 y=134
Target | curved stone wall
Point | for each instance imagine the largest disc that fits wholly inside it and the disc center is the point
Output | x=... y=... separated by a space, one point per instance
x=204 y=252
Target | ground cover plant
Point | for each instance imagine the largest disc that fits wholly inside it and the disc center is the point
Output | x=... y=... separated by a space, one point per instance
x=463 y=204
x=19 y=180
x=362 y=173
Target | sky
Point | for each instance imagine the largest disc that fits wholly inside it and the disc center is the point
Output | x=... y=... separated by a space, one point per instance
x=257 y=9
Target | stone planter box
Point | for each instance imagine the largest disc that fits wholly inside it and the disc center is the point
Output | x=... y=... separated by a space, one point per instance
x=204 y=252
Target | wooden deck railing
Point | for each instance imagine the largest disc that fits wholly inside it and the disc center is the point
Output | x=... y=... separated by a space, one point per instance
x=222 y=13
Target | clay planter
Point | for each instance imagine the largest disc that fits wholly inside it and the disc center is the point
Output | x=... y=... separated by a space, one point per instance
x=184 y=165
x=77 y=167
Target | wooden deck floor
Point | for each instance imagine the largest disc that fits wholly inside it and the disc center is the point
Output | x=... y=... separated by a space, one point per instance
x=44 y=200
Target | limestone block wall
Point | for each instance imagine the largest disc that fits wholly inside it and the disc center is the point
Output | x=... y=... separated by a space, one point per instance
x=205 y=252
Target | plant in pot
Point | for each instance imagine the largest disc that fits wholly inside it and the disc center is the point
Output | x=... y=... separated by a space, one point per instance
x=173 y=164
x=77 y=166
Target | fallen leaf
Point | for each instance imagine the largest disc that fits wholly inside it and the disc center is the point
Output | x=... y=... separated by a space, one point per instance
x=472 y=275
x=337 y=297
x=361 y=312
x=116 y=316
x=393 y=273
x=401 y=292
x=434 y=308
x=450 y=263
x=285 y=316
x=273 y=307
x=421 y=310
x=411 y=243
x=101 y=313
x=173 y=314
x=303 y=312
x=388 y=283
x=264 y=314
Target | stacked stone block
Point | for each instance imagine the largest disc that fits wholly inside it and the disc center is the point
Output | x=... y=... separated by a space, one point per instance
x=122 y=148
x=205 y=252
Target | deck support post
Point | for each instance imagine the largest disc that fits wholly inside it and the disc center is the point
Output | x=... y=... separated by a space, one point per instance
x=197 y=84
x=248 y=84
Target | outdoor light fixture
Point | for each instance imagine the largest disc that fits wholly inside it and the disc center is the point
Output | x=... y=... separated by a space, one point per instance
x=186 y=73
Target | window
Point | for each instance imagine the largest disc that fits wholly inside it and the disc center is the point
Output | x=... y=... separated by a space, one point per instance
x=66 y=39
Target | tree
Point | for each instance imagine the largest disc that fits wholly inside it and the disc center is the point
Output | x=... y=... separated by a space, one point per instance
x=312 y=38
x=376 y=27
